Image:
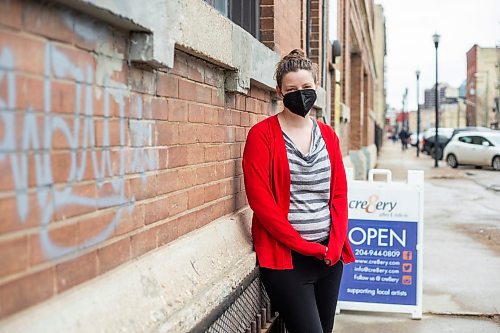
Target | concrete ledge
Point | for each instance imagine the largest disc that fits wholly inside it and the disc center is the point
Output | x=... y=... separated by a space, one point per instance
x=168 y=290
x=362 y=161
x=192 y=26
x=371 y=156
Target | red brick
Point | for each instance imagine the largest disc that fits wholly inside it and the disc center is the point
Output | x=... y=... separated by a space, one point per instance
x=167 y=182
x=219 y=209
x=187 y=133
x=177 y=156
x=167 y=232
x=168 y=85
x=113 y=255
x=211 y=115
x=142 y=81
x=195 y=154
x=251 y=105
x=229 y=168
x=187 y=177
x=63 y=97
x=143 y=242
x=203 y=94
x=47 y=21
x=10 y=13
x=267 y=23
x=240 y=134
x=214 y=76
x=177 y=110
x=187 y=90
x=236 y=115
x=180 y=65
x=204 y=133
x=144 y=187
x=26 y=291
x=11 y=219
x=14 y=256
x=212 y=192
x=113 y=128
x=240 y=102
x=266 y=12
x=219 y=133
x=76 y=271
x=33 y=95
x=167 y=133
x=218 y=97
x=175 y=203
x=196 y=113
x=196 y=197
x=225 y=117
x=88 y=192
x=83 y=60
x=245 y=119
x=203 y=217
x=204 y=174
x=196 y=70
x=211 y=153
x=59 y=235
x=230 y=134
x=90 y=227
x=159 y=108
x=130 y=221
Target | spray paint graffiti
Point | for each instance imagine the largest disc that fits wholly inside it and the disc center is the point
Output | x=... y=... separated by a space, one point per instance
x=37 y=137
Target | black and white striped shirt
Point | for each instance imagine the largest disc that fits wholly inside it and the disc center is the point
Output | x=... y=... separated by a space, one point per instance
x=310 y=188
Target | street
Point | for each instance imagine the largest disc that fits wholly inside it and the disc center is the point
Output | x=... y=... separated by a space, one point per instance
x=461 y=250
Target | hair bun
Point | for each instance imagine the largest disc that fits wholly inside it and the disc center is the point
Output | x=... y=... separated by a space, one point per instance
x=295 y=54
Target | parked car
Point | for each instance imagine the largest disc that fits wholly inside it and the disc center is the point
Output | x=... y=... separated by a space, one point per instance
x=474 y=148
x=470 y=129
x=428 y=146
x=413 y=138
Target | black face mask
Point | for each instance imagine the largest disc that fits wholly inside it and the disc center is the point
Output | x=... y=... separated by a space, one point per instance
x=300 y=101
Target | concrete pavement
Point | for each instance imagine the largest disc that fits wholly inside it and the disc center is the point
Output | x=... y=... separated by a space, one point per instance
x=461 y=250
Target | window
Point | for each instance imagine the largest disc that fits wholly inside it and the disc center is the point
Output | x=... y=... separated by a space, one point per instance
x=245 y=13
x=478 y=140
x=465 y=139
x=220 y=5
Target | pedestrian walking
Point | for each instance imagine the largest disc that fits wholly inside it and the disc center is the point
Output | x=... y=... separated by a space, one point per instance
x=296 y=186
x=404 y=136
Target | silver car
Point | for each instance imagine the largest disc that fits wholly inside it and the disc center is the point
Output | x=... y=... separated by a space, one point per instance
x=474 y=148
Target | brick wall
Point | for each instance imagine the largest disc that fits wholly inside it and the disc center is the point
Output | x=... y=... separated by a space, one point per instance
x=102 y=161
x=356 y=103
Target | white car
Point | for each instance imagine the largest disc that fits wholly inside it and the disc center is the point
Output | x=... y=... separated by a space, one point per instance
x=474 y=148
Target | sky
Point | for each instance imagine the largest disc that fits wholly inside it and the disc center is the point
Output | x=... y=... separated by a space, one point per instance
x=410 y=25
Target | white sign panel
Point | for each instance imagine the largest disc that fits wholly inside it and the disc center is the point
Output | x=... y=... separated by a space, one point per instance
x=385 y=232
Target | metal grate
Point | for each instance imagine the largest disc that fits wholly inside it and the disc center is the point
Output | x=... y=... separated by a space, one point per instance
x=247 y=310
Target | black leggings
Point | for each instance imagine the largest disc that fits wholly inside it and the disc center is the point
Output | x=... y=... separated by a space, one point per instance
x=306 y=296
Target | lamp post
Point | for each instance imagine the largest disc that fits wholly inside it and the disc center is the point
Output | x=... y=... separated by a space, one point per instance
x=418 y=113
x=436 y=38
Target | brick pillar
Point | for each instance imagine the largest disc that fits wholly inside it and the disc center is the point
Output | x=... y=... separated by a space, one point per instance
x=366 y=103
x=267 y=23
x=357 y=102
x=316 y=35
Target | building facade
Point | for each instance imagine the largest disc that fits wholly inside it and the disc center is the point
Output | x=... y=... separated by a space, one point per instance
x=122 y=127
x=483 y=88
x=358 y=74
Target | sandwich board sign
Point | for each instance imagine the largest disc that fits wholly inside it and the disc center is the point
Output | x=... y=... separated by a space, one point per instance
x=385 y=231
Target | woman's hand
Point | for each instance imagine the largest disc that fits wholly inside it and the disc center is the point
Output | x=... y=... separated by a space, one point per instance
x=327 y=261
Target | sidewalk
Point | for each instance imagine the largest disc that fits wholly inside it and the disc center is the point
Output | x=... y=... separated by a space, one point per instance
x=461 y=250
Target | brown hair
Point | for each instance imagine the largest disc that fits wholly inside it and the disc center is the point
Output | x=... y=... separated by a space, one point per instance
x=292 y=62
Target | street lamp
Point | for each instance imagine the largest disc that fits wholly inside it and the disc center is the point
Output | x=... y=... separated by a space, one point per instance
x=436 y=38
x=418 y=114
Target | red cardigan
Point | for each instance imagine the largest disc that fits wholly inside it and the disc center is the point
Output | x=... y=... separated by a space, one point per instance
x=267 y=183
